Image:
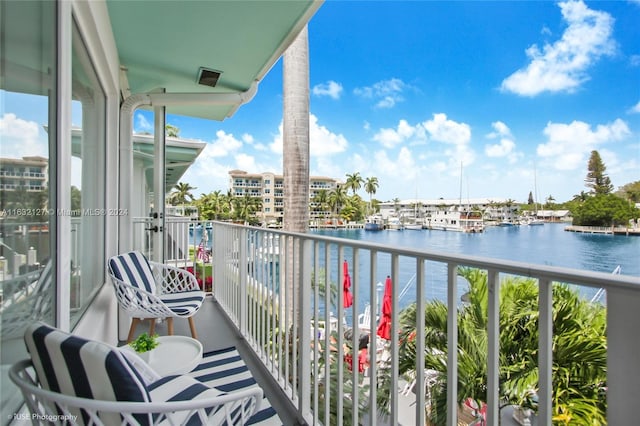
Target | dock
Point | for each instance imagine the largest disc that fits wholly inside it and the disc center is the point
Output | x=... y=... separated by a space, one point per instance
x=606 y=230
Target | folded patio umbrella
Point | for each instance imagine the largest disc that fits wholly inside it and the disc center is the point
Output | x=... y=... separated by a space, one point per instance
x=346 y=285
x=384 y=326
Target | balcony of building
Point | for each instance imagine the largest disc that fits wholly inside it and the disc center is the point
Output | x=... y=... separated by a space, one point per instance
x=282 y=333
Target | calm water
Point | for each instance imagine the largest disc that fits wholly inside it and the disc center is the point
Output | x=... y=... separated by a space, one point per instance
x=549 y=244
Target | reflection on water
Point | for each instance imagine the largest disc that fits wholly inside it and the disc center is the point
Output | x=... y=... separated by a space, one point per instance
x=544 y=245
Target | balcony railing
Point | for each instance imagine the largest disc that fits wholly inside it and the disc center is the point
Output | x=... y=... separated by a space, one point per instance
x=286 y=324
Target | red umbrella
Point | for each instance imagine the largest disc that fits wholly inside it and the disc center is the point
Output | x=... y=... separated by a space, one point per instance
x=346 y=285
x=384 y=327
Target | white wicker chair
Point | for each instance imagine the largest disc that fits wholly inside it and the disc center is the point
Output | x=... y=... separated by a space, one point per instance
x=70 y=380
x=150 y=290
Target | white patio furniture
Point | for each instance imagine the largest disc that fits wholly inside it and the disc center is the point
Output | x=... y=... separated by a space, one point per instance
x=151 y=290
x=173 y=355
x=71 y=380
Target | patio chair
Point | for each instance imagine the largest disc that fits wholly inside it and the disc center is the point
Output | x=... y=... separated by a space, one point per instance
x=151 y=290
x=71 y=380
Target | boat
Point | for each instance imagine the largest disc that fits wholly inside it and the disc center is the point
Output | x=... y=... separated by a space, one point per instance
x=506 y=223
x=472 y=222
x=458 y=221
x=394 y=224
x=374 y=223
x=415 y=226
x=458 y=218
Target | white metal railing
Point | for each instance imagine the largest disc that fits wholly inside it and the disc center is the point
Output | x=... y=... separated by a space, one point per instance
x=187 y=244
x=252 y=267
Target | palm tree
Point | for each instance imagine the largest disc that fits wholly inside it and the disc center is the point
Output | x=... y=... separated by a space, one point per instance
x=370 y=187
x=322 y=199
x=579 y=349
x=354 y=182
x=296 y=133
x=581 y=197
x=181 y=194
x=295 y=136
x=245 y=208
x=549 y=201
x=337 y=198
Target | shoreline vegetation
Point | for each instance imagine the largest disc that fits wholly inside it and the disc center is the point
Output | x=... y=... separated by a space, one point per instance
x=600 y=206
x=579 y=354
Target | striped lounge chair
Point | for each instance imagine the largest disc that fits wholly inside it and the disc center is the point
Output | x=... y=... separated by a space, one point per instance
x=150 y=290
x=70 y=380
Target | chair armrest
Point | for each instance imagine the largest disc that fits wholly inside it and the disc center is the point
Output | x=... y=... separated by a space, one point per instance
x=170 y=279
x=235 y=407
x=137 y=301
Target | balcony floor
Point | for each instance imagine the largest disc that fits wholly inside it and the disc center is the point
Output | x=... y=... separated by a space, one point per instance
x=215 y=331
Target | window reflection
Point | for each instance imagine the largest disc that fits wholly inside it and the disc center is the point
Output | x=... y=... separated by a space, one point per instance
x=87 y=195
x=27 y=189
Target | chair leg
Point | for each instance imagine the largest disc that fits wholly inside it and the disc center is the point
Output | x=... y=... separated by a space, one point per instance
x=132 y=329
x=170 y=326
x=152 y=326
x=192 y=326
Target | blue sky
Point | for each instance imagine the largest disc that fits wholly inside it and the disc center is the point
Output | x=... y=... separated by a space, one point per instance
x=409 y=91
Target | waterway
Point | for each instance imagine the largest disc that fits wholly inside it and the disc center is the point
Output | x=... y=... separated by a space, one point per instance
x=549 y=245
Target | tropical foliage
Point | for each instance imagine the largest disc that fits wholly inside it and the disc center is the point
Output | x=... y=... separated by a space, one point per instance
x=181 y=194
x=630 y=191
x=579 y=350
x=604 y=210
x=596 y=178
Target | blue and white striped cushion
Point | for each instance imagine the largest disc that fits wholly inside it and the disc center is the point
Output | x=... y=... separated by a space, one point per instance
x=226 y=371
x=75 y=366
x=185 y=303
x=133 y=268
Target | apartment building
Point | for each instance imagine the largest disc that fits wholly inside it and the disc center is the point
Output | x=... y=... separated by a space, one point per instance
x=29 y=173
x=269 y=187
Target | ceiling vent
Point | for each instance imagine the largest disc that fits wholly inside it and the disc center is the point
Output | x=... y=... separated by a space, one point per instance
x=208 y=77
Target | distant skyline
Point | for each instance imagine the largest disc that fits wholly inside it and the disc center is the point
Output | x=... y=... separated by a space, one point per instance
x=409 y=91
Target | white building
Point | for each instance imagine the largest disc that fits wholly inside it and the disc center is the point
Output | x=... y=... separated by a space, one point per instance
x=269 y=187
x=492 y=209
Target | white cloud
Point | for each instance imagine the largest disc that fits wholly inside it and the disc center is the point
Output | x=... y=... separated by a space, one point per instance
x=403 y=168
x=501 y=130
x=561 y=66
x=506 y=147
x=456 y=136
x=223 y=145
x=322 y=141
x=248 y=163
x=330 y=88
x=210 y=171
x=142 y=124
x=448 y=131
x=21 y=138
x=211 y=168
x=389 y=138
x=568 y=145
x=502 y=149
x=247 y=138
x=636 y=108
x=387 y=92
